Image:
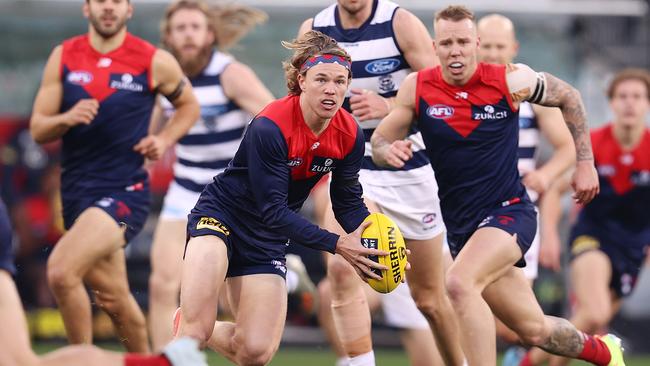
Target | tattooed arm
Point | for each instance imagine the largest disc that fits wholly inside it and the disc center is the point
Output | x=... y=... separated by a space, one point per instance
x=388 y=145
x=547 y=90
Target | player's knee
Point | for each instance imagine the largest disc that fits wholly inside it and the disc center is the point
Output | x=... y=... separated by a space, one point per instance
x=340 y=272
x=458 y=287
x=532 y=332
x=60 y=279
x=324 y=295
x=163 y=286
x=429 y=307
x=252 y=351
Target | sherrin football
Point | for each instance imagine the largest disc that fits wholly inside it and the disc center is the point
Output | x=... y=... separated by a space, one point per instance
x=384 y=235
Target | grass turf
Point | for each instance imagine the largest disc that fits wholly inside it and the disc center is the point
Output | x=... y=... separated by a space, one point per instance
x=316 y=356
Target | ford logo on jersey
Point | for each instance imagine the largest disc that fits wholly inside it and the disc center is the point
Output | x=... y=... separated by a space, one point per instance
x=383 y=66
x=80 y=77
x=440 y=111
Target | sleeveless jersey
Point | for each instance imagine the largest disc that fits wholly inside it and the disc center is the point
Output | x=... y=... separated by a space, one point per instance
x=471 y=135
x=211 y=143
x=623 y=203
x=99 y=157
x=528 y=143
x=278 y=163
x=377 y=65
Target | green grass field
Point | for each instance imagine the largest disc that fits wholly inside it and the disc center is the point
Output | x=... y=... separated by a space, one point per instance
x=290 y=356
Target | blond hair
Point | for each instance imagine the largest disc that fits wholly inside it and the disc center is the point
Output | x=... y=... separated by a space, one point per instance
x=309 y=44
x=228 y=22
x=455 y=13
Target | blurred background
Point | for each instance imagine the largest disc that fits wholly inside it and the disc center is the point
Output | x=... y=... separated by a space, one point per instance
x=581 y=41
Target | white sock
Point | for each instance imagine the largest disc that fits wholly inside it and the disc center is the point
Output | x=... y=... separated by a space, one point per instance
x=366 y=359
x=292 y=281
x=343 y=361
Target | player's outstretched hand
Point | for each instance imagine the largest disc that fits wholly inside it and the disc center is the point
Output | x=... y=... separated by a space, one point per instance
x=366 y=104
x=585 y=182
x=350 y=248
x=83 y=112
x=152 y=147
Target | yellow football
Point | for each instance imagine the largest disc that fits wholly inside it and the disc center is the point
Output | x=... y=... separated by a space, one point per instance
x=384 y=235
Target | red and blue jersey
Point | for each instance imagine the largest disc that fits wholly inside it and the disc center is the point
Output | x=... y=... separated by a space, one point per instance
x=99 y=157
x=471 y=138
x=278 y=163
x=623 y=203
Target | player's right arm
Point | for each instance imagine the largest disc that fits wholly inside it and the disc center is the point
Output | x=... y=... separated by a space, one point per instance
x=47 y=123
x=244 y=87
x=388 y=145
x=545 y=89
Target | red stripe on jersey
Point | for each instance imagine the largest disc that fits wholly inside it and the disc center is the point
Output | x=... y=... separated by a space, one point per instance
x=93 y=70
x=309 y=154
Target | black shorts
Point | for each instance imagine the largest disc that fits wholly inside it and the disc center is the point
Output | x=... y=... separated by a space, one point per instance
x=625 y=250
x=249 y=252
x=128 y=208
x=519 y=218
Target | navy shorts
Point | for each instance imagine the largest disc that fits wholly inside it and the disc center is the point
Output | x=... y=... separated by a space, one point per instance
x=519 y=218
x=6 y=250
x=129 y=208
x=625 y=250
x=249 y=251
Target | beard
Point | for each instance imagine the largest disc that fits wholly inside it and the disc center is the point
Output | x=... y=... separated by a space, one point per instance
x=105 y=32
x=192 y=66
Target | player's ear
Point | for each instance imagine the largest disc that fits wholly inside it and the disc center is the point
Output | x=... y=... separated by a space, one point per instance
x=302 y=81
x=85 y=9
x=129 y=12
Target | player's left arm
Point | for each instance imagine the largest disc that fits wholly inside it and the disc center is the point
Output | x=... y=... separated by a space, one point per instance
x=388 y=145
x=545 y=89
x=168 y=80
x=552 y=125
x=241 y=85
x=345 y=189
x=417 y=48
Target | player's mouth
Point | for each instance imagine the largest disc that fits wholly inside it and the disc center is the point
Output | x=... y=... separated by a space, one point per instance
x=108 y=20
x=456 y=67
x=328 y=104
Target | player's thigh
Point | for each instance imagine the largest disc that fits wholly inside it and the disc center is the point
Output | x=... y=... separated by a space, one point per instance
x=167 y=250
x=488 y=254
x=261 y=310
x=513 y=301
x=591 y=287
x=15 y=349
x=427 y=269
x=94 y=235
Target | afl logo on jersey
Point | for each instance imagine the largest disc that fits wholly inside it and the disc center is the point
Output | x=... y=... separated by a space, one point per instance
x=440 y=111
x=384 y=66
x=125 y=82
x=80 y=77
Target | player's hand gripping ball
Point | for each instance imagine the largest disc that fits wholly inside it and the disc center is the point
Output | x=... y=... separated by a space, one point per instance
x=383 y=234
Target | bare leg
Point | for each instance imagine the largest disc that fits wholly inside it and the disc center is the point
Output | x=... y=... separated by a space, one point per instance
x=93 y=236
x=426 y=281
x=326 y=319
x=110 y=287
x=420 y=347
x=261 y=304
x=165 y=280
x=14 y=338
x=204 y=270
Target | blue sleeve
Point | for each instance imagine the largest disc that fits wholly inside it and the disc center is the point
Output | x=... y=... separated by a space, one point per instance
x=269 y=175
x=345 y=189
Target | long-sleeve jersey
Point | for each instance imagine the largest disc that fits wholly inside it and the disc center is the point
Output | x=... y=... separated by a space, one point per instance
x=278 y=163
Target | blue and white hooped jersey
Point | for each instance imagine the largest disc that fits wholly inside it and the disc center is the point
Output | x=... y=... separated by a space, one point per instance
x=528 y=143
x=212 y=142
x=377 y=65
